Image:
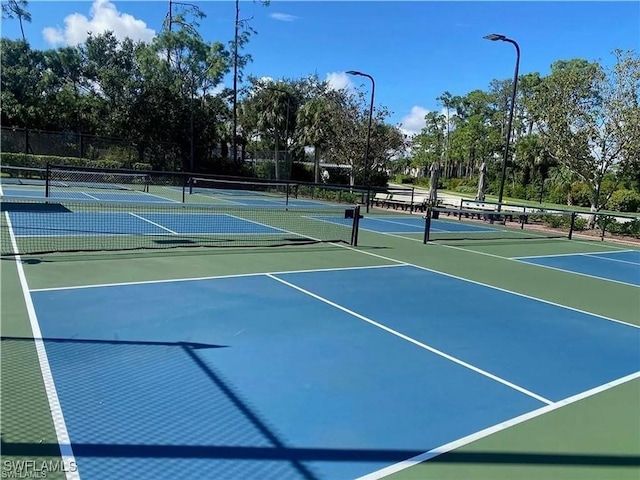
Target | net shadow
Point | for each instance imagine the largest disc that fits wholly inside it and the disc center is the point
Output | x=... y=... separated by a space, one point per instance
x=232 y=437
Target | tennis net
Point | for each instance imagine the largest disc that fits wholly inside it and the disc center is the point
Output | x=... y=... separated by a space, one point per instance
x=240 y=188
x=446 y=224
x=69 y=178
x=10 y=175
x=30 y=225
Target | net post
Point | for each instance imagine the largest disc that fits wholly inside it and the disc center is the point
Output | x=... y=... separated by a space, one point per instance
x=427 y=224
x=412 y=196
x=368 y=199
x=572 y=224
x=460 y=211
x=605 y=220
x=47 y=180
x=286 y=187
x=355 y=226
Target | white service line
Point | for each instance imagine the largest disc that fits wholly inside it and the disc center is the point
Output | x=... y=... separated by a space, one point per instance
x=572 y=272
x=62 y=434
x=90 y=196
x=415 y=342
x=448 y=447
x=214 y=277
x=153 y=223
x=264 y=225
x=548 y=302
x=569 y=254
x=611 y=259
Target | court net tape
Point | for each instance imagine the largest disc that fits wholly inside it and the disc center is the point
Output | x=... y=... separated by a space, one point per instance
x=50 y=225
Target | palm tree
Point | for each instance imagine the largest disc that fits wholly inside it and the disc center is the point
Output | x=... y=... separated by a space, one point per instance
x=316 y=127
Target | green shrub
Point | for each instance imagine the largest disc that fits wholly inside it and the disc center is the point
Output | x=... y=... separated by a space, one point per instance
x=554 y=221
x=422 y=182
x=41 y=161
x=614 y=227
x=580 y=223
x=466 y=189
x=142 y=166
x=400 y=178
x=625 y=200
x=581 y=194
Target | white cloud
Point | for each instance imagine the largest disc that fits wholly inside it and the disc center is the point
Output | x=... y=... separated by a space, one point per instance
x=339 y=81
x=283 y=17
x=219 y=88
x=103 y=17
x=414 y=121
x=53 y=36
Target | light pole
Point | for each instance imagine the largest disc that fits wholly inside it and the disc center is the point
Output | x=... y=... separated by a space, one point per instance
x=494 y=37
x=366 y=151
x=276 y=89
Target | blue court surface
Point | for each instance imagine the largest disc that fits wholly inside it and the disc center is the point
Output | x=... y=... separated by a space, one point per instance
x=39 y=224
x=410 y=224
x=274 y=201
x=121 y=196
x=317 y=374
x=620 y=266
x=266 y=201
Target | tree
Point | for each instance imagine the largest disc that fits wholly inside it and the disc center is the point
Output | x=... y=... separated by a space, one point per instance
x=17 y=9
x=317 y=127
x=590 y=121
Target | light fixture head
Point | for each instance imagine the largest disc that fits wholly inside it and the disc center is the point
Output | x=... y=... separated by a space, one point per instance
x=494 y=37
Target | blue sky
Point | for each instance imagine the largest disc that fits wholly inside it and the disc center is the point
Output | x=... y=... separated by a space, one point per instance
x=414 y=50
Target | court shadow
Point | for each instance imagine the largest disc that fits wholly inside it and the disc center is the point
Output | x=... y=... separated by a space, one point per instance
x=193 y=250
x=227 y=431
x=36 y=207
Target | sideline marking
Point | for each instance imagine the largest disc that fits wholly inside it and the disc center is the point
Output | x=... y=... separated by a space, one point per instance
x=62 y=434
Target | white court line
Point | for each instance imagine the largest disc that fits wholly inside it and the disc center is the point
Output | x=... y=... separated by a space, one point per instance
x=161 y=198
x=548 y=302
x=567 y=254
x=415 y=342
x=611 y=259
x=264 y=225
x=420 y=227
x=214 y=277
x=153 y=223
x=448 y=447
x=62 y=434
x=580 y=273
x=522 y=260
x=389 y=234
x=204 y=195
x=91 y=196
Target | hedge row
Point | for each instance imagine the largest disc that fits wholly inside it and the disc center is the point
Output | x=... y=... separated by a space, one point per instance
x=40 y=161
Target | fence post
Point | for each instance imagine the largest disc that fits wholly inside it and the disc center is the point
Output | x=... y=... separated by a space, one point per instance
x=572 y=225
x=46 y=181
x=427 y=225
x=356 y=226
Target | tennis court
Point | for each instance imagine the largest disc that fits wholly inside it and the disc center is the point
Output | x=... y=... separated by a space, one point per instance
x=313 y=360
x=622 y=266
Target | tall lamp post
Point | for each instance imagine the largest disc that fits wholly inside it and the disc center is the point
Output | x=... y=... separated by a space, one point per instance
x=366 y=151
x=494 y=37
x=276 y=89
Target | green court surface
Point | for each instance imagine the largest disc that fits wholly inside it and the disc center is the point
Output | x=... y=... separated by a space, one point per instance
x=596 y=436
